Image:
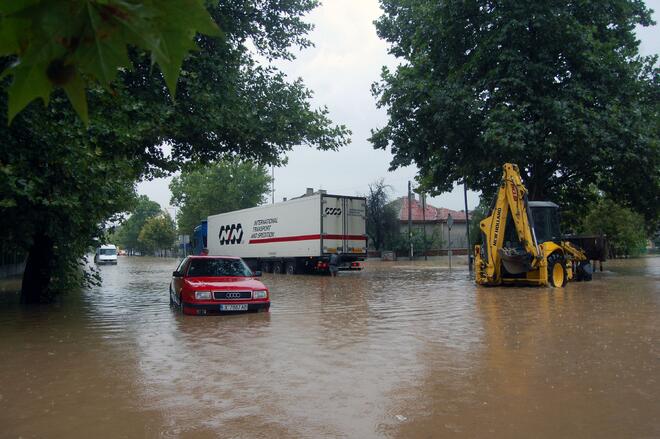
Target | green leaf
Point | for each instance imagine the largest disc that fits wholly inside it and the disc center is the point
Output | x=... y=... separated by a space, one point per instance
x=175 y=46
x=106 y=54
x=93 y=35
x=75 y=91
x=30 y=82
x=193 y=15
x=13 y=6
x=9 y=31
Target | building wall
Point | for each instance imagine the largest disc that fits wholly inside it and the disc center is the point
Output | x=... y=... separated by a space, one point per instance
x=458 y=237
x=441 y=231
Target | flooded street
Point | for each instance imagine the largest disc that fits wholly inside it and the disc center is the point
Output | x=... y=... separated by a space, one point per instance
x=400 y=350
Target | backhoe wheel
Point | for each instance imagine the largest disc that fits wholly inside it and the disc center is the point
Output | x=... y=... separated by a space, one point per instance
x=557 y=270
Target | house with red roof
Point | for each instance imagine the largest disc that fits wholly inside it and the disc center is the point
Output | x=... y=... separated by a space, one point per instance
x=435 y=221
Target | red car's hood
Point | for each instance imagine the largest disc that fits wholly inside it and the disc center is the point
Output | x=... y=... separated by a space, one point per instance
x=225 y=283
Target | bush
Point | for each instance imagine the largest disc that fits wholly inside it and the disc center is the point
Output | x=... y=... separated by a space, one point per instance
x=624 y=228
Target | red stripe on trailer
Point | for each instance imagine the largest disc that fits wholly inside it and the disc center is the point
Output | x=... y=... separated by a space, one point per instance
x=284 y=239
x=306 y=238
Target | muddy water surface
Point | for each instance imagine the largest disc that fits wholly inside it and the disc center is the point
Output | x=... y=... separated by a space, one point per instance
x=399 y=350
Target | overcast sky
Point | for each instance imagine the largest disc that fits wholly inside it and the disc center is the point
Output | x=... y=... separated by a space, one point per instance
x=346 y=60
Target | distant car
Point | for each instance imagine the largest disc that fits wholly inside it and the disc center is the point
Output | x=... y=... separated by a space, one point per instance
x=217 y=285
x=106 y=254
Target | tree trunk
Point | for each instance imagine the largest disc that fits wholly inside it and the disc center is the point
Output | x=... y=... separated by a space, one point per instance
x=537 y=190
x=38 y=269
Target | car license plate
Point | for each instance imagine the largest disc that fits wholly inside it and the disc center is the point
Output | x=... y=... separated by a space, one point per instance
x=236 y=307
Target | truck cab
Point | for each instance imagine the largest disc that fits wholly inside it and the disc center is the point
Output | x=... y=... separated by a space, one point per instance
x=199 y=239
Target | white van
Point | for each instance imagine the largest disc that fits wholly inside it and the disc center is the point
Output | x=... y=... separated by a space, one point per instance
x=106 y=254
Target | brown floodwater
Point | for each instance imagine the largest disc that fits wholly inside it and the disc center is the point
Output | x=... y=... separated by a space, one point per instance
x=401 y=350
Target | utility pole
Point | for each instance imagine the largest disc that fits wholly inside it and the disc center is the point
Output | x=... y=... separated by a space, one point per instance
x=450 y=222
x=410 y=244
x=426 y=258
x=467 y=227
x=272 y=183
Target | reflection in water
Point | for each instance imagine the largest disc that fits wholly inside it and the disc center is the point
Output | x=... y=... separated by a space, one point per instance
x=400 y=350
x=576 y=362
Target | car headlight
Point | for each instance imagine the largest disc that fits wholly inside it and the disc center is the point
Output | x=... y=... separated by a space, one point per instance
x=260 y=294
x=202 y=295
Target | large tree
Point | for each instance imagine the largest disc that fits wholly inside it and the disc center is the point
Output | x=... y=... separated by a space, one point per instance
x=216 y=188
x=624 y=228
x=226 y=105
x=158 y=233
x=557 y=87
x=129 y=232
x=57 y=189
x=382 y=215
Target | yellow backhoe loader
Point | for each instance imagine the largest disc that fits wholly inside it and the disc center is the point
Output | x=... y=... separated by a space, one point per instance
x=522 y=243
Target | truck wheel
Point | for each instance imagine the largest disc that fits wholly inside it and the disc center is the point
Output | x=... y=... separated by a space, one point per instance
x=557 y=270
x=290 y=268
x=277 y=268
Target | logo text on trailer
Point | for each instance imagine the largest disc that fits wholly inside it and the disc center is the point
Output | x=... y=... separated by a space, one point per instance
x=333 y=211
x=231 y=234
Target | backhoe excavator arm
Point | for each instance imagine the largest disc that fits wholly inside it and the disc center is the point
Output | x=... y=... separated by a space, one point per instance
x=510 y=202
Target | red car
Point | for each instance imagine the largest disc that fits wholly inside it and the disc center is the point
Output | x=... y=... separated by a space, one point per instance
x=217 y=284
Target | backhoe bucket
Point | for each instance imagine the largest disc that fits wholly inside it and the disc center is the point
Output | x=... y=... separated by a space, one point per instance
x=516 y=261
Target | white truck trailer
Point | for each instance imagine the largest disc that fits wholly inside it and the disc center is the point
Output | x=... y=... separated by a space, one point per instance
x=295 y=236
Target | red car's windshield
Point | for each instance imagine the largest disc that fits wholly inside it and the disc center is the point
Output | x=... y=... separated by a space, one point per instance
x=218 y=267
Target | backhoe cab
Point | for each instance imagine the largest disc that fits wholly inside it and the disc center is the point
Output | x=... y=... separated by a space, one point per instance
x=521 y=241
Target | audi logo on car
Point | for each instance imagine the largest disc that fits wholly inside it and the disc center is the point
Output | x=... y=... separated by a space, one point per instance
x=231 y=234
x=232 y=295
x=332 y=211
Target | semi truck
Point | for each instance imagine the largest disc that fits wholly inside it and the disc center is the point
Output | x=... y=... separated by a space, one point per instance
x=294 y=236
